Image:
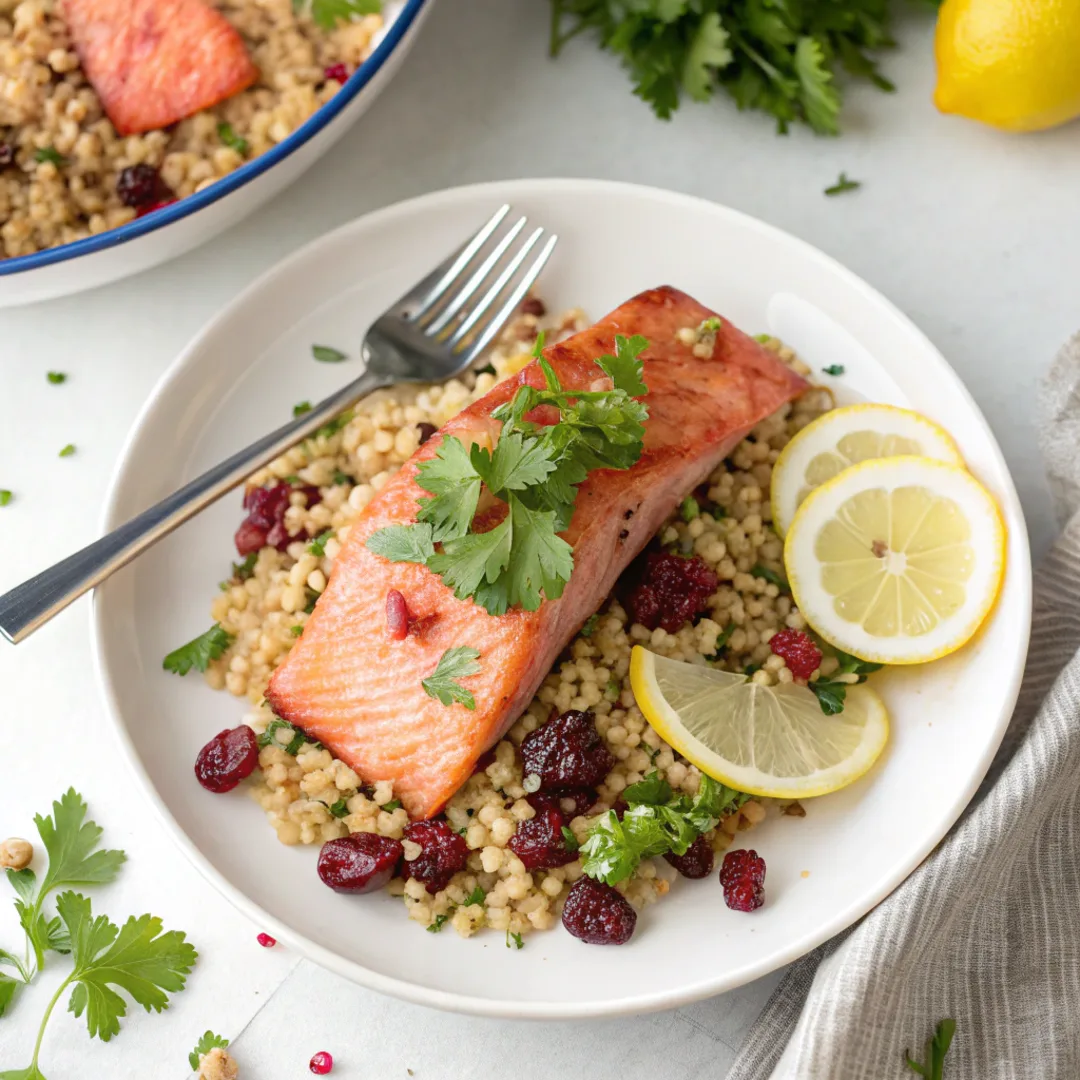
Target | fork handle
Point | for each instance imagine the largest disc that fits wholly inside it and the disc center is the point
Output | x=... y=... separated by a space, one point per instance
x=34 y=602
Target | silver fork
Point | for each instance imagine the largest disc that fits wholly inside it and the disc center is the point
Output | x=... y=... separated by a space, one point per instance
x=434 y=332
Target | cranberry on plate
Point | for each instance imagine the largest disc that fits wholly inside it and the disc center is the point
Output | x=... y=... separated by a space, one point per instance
x=228 y=758
x=539 y=842
x=442 y=854
x=598 y=914
x=670 y=591
x=359 y=862
x=742 y=874
x=696 y=862
x=567 y=752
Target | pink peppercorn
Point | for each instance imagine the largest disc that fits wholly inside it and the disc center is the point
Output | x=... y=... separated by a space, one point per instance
x=321 y=1063
x=266 y=941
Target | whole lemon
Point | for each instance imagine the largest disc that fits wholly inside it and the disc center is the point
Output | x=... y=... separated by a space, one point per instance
x=1013 y=64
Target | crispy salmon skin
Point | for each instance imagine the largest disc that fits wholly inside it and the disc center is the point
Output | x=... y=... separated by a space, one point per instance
x=352 y=687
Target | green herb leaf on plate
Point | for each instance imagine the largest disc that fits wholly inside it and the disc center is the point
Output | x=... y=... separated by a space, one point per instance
x=439 y=922
x=834 y=369
x=199 y=652
x=843 y=184
x=50 y=153
x=56 y=377
x=5 y=496
x=456 y=663
x=318 y=545
x=327 y=354
x=208 y=1042
x=229 y=137
x=301 y=407
x=68 y=450
x=475 y=897
x=771 y=576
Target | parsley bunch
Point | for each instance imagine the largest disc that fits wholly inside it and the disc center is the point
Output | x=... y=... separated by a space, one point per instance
x=779 y=56
x=657 y=822
x=534 y=469
x=832 y=693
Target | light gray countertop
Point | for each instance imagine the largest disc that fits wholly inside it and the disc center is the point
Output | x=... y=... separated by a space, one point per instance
x=969 y=231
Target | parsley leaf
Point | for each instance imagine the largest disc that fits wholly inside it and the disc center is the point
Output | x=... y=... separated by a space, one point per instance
x=56 y=377
x=937 y=1046
x=296 y=739
x=518 y=941
x=590 y=625
x=207 y=1043
x=707 y=51
x=652 y=791
x=439 y=922
x=403 y=543
x=722 y=639
x=50 y=153
x=5 y=496
x=625 y=367
x=297 y=630
x=301 y=407
x=199 y=652
x=452 y=479
x=138 y=957
x=8 y=988
x=327 y=13
x=834 y=369
x=231 y=139
x=392 y=805
x=830 y=695
x=689 y=508
x=71 y=843
x=771 y=576
x=842 y=185
x=340 y=477
x=339 y=809
x=852 y=665
x=475 y=897
x=318 y=545
x=327 y=354
x=244 y=570
x=569 y=839
x=68 y=450
x=456 y=663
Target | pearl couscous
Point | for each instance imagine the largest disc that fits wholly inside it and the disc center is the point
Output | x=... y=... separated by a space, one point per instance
x=61 y=160
x=309 y=797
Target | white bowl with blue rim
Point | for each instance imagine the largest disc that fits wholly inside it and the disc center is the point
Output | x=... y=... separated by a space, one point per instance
x=173 y=230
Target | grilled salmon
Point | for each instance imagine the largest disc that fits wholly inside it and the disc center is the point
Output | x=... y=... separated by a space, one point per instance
x=349 y=685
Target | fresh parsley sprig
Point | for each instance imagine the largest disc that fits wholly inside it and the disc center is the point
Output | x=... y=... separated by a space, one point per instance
x=781 y=57
x=534 y=470
x=832 y=692
x=199 y=652
x=657 y=822
x=454 y=664
x=206 y=1043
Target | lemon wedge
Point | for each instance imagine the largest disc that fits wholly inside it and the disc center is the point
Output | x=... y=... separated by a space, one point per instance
x=897 y=560
x=772 y=741
x=844 y=437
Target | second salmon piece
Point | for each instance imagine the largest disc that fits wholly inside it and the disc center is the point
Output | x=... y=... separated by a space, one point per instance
x=348 y=684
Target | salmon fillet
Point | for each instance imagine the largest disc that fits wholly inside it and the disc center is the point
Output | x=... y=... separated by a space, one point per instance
x=356 y=691
x=154 y=62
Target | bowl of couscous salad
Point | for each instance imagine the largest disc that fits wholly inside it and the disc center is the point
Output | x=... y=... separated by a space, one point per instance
x=613 y=807
x=115 y=157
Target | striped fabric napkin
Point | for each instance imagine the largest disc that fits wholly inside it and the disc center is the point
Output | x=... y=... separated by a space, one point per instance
x=987 y=930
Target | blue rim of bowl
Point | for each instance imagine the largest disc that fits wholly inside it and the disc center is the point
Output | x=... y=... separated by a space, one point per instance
x=227 y=184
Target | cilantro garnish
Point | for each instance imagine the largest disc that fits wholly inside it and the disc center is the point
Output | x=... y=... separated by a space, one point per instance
x=231 y=139
x=475 y=897
x=534 y=470
x=50 y=153
x=327 y=354
x=657 y=822
x=518 y=942
x=301 y=407
x=438 y=924
x=328 y=13
x=56 y=377
x=590 y=625
x=198 y=652
x=778 y=57
x=392 y=805
x=937 y=1046
x=842 y=185
x=569 y=839
x=5 y=496
x=208 y=1042
x=834 y=369
x=689 y=508
x=318 y=545
x=454 y=664
x=297 y=739
x=339 y=809
x=68 y=450
x=771 y=576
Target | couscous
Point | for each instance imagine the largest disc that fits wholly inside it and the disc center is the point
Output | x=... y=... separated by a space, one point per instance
x=65 y=173
x=311 y=798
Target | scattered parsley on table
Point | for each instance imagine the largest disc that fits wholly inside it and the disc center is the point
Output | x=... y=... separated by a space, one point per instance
x=843 y=184
x=326 y=354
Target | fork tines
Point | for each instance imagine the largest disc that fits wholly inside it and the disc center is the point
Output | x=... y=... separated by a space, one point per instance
x=495 y=263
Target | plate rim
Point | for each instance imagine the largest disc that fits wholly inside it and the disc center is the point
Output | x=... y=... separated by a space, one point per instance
x=844 y=917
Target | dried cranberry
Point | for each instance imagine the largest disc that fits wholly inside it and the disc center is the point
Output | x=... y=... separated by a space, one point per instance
x=539 y=842
x=137 y=185
x=336 y=71
x=597 y=914
x=425 y=431
x=359 y=863
x=742 y=875
x=570 y=804
x=228 y=758
x=697 y=862
x=442 y=853
x=484 y=760
x=321 y=1063
x=533 y=305
x=671 y=591
x=567 y=752
x=800 y=653
x=265 y=521
x=266 y=941
x=159 y=205
x=7 y=155
x=397 y=616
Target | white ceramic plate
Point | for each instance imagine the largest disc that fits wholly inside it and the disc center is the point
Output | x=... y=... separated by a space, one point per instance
x=241 y=376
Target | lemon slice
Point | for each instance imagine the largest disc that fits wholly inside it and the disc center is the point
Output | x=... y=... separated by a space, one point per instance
x=765 y=740
x=844 y=437
x=897 y=560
